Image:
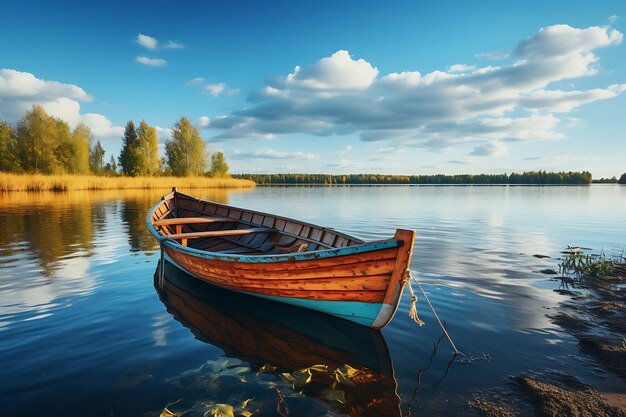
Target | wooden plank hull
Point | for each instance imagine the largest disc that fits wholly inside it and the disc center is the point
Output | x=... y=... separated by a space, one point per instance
x=361 y=282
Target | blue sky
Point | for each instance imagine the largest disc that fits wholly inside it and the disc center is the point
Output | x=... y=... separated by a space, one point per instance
x=335 y=87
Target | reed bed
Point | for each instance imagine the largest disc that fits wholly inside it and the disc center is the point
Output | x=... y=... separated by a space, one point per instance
x=17 y=182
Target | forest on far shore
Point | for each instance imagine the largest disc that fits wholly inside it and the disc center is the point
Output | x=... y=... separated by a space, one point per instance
x=530 y=177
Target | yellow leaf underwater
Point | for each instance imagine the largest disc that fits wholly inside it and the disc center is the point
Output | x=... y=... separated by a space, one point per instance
x=221 y=410
x=318 y=368
x=298 y=378
x=265 y=369
x=167 y=413
x=345 y=374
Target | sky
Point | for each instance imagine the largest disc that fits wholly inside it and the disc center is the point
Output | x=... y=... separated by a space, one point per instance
x=335 y=87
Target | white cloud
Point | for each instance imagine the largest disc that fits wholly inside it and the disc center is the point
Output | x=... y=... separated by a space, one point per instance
x=173 y=45
x=151 y=62
x=24 y=85
x=494 y=55
x=614 y=18
x=163 y=133
x=336 y=72
x=196 y=81
x=272 y=154
x=19 y=91
x=436 y=110
x=101 y=126
x=147 y=41
x=204 y=122
x=215 y=89
x=461 y=68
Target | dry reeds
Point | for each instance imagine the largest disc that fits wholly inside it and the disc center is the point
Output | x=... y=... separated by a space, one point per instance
x=19 y=182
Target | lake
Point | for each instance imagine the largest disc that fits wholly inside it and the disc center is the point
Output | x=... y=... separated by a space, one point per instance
x=84 y=331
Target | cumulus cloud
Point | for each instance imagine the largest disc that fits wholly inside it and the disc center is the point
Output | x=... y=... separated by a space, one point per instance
x=272 y=154
x=461 y=68
x=204 y=122
x=163 y=133
x=513 y=101
x=153 y=43
x=173 y=45
x=151 y=62
x=196 y=81
x=19 y=91
x=214 y=89
x=147 y=42
x=336 y=72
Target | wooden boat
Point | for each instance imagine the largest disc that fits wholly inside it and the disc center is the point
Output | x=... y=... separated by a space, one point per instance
x=288 y=339
x=283 y=259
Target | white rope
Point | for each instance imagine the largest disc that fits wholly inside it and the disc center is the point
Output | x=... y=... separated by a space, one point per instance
x=413 y=309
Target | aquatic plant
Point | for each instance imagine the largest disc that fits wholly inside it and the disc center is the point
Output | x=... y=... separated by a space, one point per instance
x=580 y=263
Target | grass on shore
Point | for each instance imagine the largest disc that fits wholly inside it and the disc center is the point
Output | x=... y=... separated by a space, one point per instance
x=16 y=182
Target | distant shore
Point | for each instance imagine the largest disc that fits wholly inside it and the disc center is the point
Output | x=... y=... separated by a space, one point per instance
x=514 y=178
x=37 y=182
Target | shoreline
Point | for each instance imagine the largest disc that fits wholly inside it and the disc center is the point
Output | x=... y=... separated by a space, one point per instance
x=62 y=183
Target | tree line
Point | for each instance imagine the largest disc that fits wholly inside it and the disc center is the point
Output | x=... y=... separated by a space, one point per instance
x=612 y=180
x=42 y=144
x=530 y=177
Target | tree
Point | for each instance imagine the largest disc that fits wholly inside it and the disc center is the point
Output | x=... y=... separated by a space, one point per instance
x=37 y=142
x=219 y=167
x=622 y=179
x=186 y=152
x=148 y=143
x=96 y=159
x=80 y=142
x=64 y=149
x=111 y=167
x=130 y=156
x=8 y=148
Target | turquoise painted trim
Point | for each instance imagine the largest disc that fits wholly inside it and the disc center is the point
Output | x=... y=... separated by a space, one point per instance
x=300 y=256
x=358 y=312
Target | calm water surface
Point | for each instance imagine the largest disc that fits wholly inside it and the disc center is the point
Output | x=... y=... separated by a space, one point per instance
x=83 y=331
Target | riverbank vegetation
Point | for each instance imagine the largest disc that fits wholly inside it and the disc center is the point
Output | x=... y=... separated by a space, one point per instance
x=42 y=144
x=531 y=177
x=37 y=182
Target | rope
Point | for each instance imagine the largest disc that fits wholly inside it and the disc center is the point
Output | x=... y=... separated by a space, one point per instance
x=413 y=309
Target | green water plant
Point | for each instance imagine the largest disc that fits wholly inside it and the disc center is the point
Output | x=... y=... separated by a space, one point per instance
x=579 y=263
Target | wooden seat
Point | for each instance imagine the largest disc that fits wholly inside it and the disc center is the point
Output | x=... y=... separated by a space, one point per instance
x=180 y=221
x=217 y=233
x=192 y=220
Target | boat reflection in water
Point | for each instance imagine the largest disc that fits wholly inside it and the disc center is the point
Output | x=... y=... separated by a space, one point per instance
x=344 y=367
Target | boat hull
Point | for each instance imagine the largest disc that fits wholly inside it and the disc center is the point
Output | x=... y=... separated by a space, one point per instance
x=362 y=283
